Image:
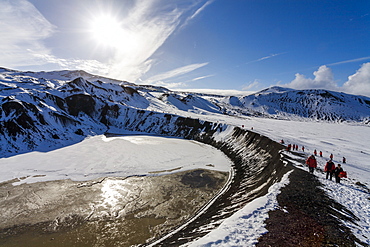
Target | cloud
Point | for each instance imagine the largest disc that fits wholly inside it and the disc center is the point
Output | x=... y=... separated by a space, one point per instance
x=147 y=28
x=196 y=13
x=224 y=92
x=272 y=55
x=22 y=29
x=148 y=25
x=169 y=85
x=253 y=84
x=91 y=66
x=359 y=83
x=267 y=57
x=324 y=79
x=175 y=72
x=349 y=61
x=202 y=77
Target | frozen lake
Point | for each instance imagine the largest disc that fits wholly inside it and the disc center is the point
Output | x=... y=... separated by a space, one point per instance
x=118 y=156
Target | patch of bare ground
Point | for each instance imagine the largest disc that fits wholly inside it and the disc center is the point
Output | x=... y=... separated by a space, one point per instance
x=308 y=217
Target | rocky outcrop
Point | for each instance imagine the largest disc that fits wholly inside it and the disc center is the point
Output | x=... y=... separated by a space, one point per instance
x=80 y=103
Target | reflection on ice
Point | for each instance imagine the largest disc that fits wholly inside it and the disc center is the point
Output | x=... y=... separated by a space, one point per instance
x=117 y=193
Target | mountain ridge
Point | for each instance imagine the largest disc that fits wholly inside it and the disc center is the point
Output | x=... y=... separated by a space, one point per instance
x=40 y=112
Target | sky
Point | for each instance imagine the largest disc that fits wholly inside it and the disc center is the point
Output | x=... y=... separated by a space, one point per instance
x=240 y=45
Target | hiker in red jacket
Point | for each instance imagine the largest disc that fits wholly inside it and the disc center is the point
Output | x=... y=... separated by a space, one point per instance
x=311 y=163
x=337 y=171
x=329 y=169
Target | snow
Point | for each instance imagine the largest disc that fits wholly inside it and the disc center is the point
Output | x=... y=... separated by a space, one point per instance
x=101 y=156
x=98 y=156
x=247 y=225
x=349 y=140
x=355 y=199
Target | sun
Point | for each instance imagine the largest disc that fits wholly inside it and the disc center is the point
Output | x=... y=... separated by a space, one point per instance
x=107 y=30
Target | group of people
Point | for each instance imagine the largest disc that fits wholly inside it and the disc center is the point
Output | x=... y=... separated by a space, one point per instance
x=292 y=147
x=331 y=156
x=329 y=168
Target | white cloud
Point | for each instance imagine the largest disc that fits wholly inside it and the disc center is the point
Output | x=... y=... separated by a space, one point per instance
x=148 y=25
x=266 y=57
x=91 y=66
x=175 y=72
x=147 y=28
x=197 y=12
x=270 y=56
x=253 y=84
x=169 y=85
x=22 y=28
x=224 y=92
x=350 y=61
x=202 y=77
x=324 y=79
x=359 y=83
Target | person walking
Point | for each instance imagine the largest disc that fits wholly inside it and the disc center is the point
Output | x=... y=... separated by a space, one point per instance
x=311 y=163
x=320 y=153
x=315 y=152
x=337 y=171
x=344 y=160
x=331 y=156
x=329 y=169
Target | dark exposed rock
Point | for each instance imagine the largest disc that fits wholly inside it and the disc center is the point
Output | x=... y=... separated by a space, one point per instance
x=79 y=132
x=55 y=136
x=109 y=111
x=130 y=90
x=80 y=103
x=307 y=216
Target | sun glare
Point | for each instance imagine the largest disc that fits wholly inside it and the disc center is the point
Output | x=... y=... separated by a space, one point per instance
x=107 y=30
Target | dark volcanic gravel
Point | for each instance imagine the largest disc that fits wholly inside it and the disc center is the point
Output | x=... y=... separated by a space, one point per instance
x=307 y=216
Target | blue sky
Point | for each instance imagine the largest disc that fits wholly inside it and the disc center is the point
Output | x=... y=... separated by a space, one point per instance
x=195 y=44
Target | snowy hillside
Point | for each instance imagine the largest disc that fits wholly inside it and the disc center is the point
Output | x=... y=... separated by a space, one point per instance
x=285 y=103
x=45 y=110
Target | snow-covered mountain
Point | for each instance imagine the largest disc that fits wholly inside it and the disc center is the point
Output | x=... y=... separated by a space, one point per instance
x=42 y=110
x=287 y=103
